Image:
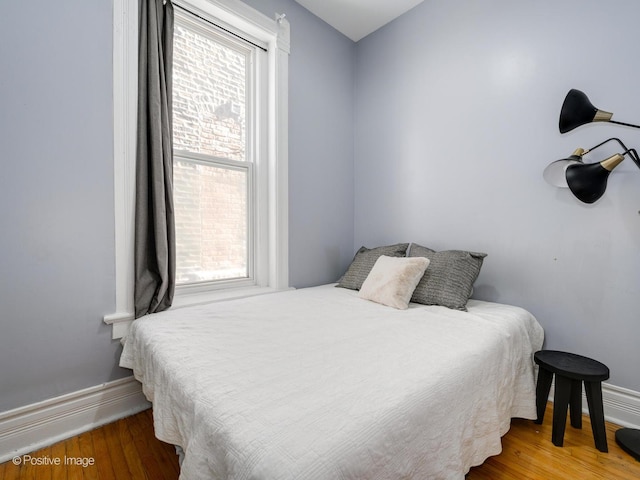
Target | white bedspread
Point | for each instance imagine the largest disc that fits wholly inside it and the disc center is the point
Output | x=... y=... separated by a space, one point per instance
x=319 y=384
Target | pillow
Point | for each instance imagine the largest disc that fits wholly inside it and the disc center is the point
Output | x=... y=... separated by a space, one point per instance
x=449 y=279
x=363 y=262
x=392 y=280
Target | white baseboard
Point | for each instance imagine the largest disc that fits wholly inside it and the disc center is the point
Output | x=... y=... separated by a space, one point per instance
x=621 y=405
x=26 y=429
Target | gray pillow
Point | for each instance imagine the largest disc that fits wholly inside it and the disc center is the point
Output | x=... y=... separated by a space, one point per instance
x=448 y=280
x=363 y=262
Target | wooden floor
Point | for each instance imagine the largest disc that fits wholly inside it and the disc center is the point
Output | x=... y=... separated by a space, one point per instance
x=528 y=454
x=128 y=450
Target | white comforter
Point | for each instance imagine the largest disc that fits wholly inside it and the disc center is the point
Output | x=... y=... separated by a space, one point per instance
x=320 y=384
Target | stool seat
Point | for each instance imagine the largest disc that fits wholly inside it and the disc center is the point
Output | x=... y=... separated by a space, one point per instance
x=572 y=366
x=570 y=371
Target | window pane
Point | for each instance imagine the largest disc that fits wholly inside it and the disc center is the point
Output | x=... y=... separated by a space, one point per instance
x=211 y=222
x=209 y=100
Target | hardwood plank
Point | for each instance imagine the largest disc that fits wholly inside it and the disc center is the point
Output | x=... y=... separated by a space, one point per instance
x=43 y=471
x=11 y=470
x=59 y=472
x=29 y=470
x=164 y=459
x=72 y=449
x=131 y=456
x=87 y=449
x=115 y=446
x=144 y=444
x=101 y=455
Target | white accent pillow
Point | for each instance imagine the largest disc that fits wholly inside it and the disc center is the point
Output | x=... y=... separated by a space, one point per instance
x=392 y=280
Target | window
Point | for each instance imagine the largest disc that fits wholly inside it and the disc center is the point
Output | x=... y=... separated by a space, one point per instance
x=217 y=159
x=255 y=170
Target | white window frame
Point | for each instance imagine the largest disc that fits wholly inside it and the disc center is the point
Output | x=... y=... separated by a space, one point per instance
x=274 y=34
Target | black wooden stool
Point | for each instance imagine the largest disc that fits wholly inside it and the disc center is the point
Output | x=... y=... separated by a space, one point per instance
x=571 y=370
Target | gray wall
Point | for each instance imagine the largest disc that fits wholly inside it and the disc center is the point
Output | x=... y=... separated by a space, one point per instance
x=56 y=185
x=457 y=109
x=56 y=192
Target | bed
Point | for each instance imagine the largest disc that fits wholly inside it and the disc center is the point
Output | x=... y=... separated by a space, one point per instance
x=318 y=383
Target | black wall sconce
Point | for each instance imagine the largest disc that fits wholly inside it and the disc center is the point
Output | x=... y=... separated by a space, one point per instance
x=587 y=182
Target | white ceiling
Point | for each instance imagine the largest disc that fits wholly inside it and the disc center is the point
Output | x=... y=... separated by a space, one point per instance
x=358 y=18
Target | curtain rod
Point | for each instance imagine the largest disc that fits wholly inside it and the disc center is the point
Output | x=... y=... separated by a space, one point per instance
x=218 y=26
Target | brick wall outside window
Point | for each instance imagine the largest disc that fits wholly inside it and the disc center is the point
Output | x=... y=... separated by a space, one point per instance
x=209 y=118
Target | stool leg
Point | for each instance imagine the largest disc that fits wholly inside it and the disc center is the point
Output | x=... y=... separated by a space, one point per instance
x=596 y=413
x=575 y=407
x=561 y=399
x=542 y=392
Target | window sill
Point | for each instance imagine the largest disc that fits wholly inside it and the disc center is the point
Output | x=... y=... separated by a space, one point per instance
x=120 y=322
x=189 y=299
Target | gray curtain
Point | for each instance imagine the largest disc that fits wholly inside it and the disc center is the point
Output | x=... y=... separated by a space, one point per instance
x=154 y=216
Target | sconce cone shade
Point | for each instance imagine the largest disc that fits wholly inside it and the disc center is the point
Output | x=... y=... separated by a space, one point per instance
x=589 y=182
x=577 y=110
x=555 y=173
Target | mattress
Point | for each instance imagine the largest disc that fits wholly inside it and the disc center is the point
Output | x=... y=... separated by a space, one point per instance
x=318 y=383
